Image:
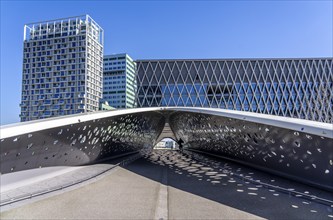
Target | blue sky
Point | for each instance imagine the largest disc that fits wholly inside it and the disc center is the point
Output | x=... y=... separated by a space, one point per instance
x=161 y=29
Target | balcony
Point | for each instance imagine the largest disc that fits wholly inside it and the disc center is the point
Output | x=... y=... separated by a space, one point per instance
x=57 y=96
x=55 y=107
x=67 y=107
x=81 y=95
x=61 y=102
x=47 y=114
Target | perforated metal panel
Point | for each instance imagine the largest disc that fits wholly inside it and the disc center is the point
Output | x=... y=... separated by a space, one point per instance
x=299 y=88
x=79 y=143
x=294 y=148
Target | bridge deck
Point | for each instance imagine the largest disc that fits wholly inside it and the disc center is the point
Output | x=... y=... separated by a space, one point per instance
x=168 y=184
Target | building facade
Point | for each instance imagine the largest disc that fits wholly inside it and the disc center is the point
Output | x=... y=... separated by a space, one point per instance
x=104 y=106
x=164 y=144
x=119 y=81
x=300 y=88
x=62 y=67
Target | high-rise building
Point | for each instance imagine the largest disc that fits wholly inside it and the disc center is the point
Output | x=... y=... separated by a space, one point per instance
x=62 y=67
x=119 y=81
x=300 y=88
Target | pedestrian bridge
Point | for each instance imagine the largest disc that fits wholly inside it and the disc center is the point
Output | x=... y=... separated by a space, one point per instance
x=298 y=149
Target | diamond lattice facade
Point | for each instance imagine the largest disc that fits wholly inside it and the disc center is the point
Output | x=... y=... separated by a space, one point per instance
x=300 y=88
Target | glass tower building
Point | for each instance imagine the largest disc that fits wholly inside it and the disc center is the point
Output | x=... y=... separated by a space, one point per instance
x=62 y=67
x=300 y=88
x=119 y=81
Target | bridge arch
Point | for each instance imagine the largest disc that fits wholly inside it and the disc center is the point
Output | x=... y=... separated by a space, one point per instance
x=298 y=149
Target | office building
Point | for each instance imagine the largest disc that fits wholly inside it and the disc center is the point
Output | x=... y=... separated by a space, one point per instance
x=164 y=144
x=300 y=88
x=119 y=81
x=62 y=67
x=104 y=106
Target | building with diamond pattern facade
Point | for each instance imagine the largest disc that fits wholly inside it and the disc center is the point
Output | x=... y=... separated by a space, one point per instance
x=300 y=88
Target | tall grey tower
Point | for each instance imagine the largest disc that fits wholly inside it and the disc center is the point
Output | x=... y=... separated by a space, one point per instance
x=62 y=67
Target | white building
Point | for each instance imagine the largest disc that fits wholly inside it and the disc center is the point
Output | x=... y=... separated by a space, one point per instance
x=119 y=82
x=165 y=144
x=62 y=67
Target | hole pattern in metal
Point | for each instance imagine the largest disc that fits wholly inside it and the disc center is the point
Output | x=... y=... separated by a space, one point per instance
x=268 y=147
x=80 y=143
x=282 y=148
